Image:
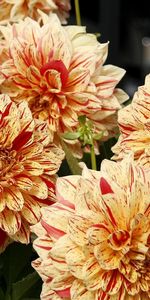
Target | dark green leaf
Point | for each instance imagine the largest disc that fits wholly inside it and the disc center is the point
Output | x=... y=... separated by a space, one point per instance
x=1 y=294
x=20 y=288
x=15 y=258
x=71 y=160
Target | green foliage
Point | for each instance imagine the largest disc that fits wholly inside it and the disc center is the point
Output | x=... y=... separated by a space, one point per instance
x=17 y=279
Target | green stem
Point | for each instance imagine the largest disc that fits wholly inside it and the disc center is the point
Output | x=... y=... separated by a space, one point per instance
x=77 y=11
x=93 y=158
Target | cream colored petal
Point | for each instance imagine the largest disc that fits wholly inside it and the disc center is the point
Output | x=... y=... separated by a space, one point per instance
x=23 y=235
x=47 y=293
x=78 y=80
x=61 y=247
x=31 y=210
x=43 y=246
x=79 y=292
x=92 y=274
x=112 y=282
x=38 y=229
x=39 y=188
x=75 y=260
x=33 y=168
x=98 y=233
x=77 y=229
x=66 y=190
x=23 y=182
x=108 y=259
x=14 y=198
x=56 y=225
x=10 y=222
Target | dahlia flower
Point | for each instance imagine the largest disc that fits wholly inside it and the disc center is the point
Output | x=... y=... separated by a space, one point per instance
x=16 y=10
x=134 y=124
x=59 y=71
x=28 y=163
x=94 y=243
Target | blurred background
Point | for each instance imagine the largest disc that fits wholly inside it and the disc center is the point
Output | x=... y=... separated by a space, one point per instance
x=126 y=25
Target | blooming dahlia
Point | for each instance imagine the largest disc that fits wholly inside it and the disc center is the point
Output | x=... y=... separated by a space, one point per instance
x=28 y=163
x=94 y=243
x=16 y=10
x=134 y=124
x=59 y=71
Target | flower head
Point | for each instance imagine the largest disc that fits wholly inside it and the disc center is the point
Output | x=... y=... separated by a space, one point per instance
x=134 y=126
x=94 y=242
x=28 y=163
x=59 y=71
x=14 y=11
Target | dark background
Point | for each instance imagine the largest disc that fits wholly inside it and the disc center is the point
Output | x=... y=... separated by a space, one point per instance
x=126 y=25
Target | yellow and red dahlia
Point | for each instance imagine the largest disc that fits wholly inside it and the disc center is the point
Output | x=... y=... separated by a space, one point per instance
x=93 y=244
x=134 y=124
x=16 y=10
x=28 y=163
x=59 y=71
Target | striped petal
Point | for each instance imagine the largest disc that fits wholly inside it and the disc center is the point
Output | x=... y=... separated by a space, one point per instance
x=107 y=259
x=39 y=188
x=10 y=222
x=23 y=182
x=23 y=235
x=75 y=259
x=33 y=168
x=43 y=246
x=31 y=210
x=14 y=198
x=79 y=292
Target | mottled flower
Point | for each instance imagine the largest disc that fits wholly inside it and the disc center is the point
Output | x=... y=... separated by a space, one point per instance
x=28 y=163
x=93 y=244
x=134 y=124
x=59 y=71
x=16 y=10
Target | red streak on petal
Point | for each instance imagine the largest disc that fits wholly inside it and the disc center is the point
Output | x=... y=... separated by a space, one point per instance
x=112 y=282
x=49 y=183
x=52 y=231
x=59 y=66
x=101 y=226
x=110 y=214
x=6 y=112
x=21 y=140
x=64 y=293
x=105 y=187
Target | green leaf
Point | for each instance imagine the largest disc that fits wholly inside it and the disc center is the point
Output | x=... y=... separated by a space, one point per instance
x=1 y=293
x=20 y=288
x=97 y=136
x=82 y=120
x=71 y=135
x=16 y=259
x=71 y=160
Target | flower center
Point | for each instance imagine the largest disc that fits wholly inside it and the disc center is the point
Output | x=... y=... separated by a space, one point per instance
x=119 y=239
x=57 y=65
